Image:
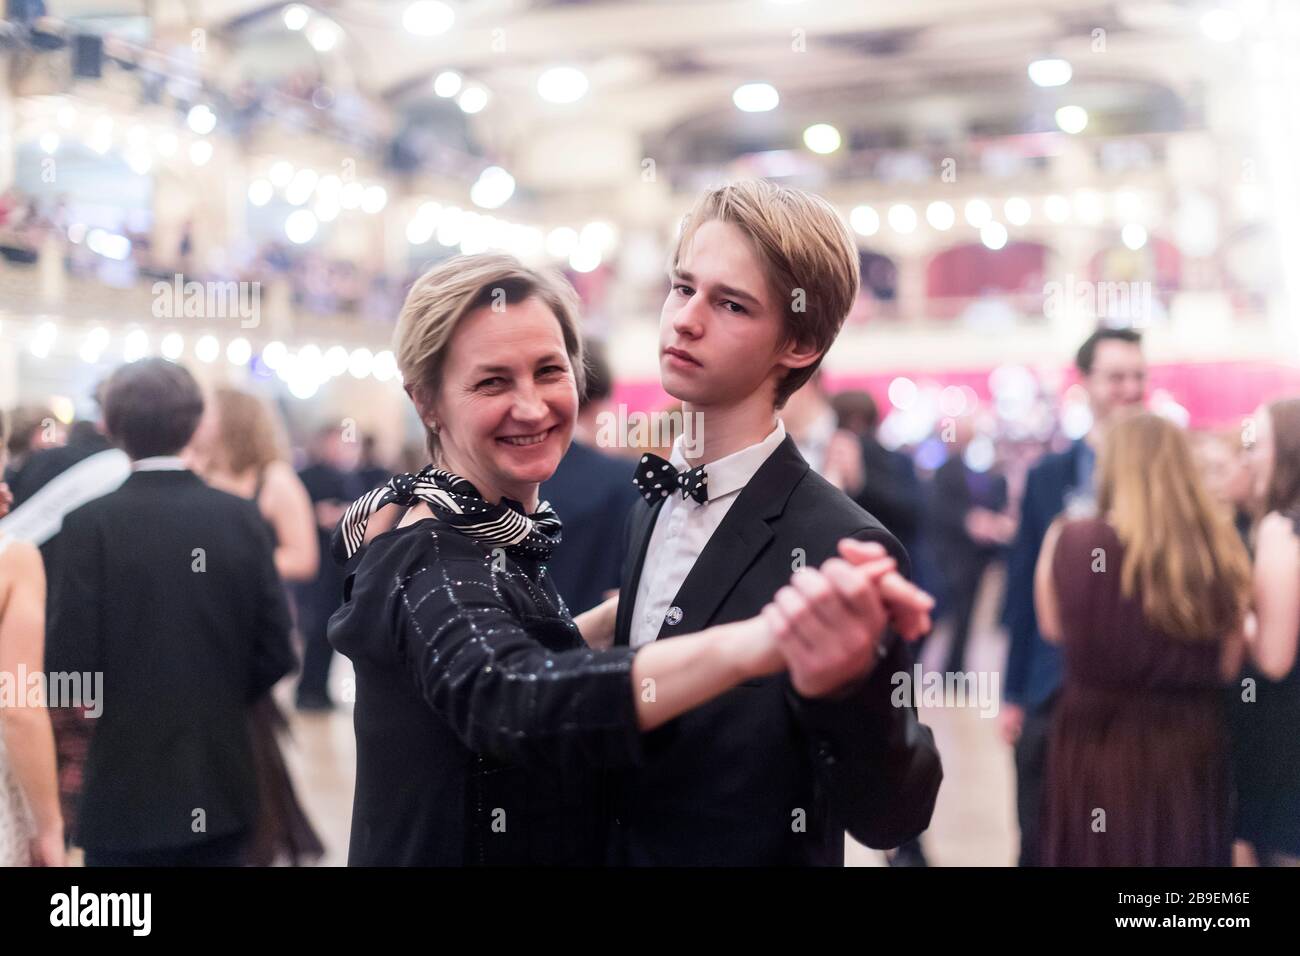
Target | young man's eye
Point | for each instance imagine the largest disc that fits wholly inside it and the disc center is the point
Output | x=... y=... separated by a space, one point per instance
x=738 y=308
x=682 y=289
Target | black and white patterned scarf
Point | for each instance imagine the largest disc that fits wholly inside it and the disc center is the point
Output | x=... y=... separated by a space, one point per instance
x=455 y=501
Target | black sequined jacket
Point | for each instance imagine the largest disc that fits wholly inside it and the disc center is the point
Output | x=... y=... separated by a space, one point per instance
x=482 y=720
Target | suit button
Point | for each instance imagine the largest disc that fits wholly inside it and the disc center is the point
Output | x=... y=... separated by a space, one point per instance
x=674 y=616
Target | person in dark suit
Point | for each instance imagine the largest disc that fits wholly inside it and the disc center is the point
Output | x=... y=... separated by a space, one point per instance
x=333 y=480
x=592 y=493
x=969 y=530
x=890 y=489
x=169 y=590
x=55 y=482
x=484 y=715
x=1112 y=369
x=774 y=772
x=44 y=465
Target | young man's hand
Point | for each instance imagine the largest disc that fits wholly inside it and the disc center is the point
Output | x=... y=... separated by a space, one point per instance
x=908 y=606
x=828 y=625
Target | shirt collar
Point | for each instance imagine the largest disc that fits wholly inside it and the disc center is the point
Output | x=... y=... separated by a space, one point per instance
x=159 y=463
x=734 y=471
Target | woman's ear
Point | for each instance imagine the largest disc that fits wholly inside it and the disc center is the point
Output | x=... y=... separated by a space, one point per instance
x=420 y=398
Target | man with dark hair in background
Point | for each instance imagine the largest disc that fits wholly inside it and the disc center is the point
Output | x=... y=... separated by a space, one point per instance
x=592 y=492
x=169 y=591
x=1112 y=369
x=46 y=461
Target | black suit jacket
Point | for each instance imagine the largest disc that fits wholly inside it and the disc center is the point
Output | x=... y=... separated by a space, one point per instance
x=761 y=775
x=955 y=492
x=183 y=652
x=891 y=491
x=45 y=465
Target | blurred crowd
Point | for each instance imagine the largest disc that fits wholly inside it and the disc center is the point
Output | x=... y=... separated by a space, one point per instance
x=1152 y=596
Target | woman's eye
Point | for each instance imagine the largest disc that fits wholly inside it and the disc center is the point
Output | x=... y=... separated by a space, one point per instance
x=491 y=382
x=551 y=370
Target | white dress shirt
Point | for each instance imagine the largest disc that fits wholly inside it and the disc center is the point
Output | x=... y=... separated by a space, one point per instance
x=684 y=526
x=160 y=463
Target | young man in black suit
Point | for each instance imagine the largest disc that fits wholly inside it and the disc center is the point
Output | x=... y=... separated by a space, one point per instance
x=169 y=591
x=776 y=770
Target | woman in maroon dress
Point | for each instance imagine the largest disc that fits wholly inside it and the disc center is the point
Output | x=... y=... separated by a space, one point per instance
x=1147 y=601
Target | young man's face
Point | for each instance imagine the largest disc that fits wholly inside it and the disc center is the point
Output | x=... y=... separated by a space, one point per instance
x=1118 y=383
x=720 y=330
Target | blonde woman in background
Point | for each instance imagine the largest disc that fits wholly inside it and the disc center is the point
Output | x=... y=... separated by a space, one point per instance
x=1148 y=600
x=31 y=823
x=239 y=447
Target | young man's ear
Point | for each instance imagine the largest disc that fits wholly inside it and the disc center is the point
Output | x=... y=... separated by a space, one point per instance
x=797 y=354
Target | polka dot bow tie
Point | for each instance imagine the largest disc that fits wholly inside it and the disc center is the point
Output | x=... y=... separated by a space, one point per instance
x=656 y=478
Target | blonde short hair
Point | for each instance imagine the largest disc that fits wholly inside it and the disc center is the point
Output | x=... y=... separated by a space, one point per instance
x=804 y=247
x=450 y=291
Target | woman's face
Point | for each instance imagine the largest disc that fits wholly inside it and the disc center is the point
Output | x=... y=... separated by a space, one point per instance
x=1260 y=454
x=508 y=401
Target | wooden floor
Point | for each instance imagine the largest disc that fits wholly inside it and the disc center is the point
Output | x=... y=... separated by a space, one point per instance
x=974 y=820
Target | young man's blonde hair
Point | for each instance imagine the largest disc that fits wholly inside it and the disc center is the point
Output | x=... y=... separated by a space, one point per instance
x=451 y=290
x=808 y=255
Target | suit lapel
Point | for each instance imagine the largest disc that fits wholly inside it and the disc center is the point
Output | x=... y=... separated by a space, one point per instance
x=638 y=543
x=737 y=543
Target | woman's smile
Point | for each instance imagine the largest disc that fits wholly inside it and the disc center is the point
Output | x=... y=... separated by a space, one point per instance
x=524 y=441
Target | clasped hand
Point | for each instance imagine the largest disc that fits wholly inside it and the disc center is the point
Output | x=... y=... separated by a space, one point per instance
x=828 y=622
